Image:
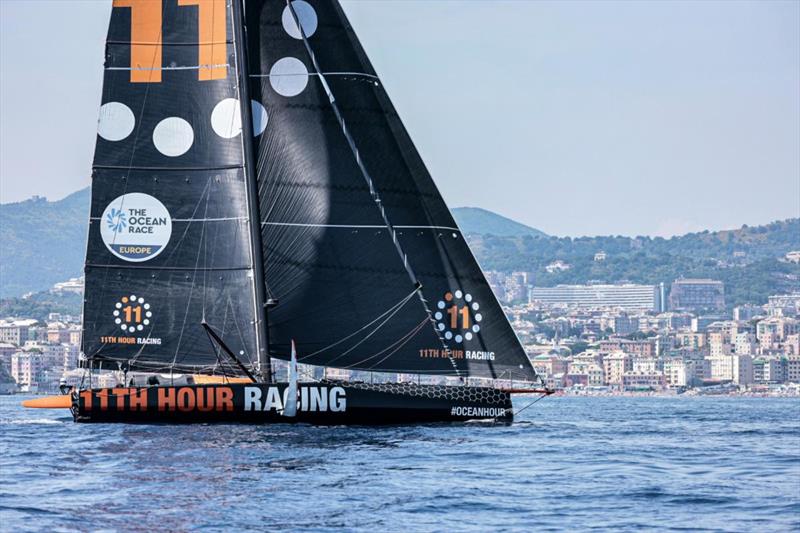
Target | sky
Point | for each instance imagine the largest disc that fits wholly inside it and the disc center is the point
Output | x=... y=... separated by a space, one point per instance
x=576 y=118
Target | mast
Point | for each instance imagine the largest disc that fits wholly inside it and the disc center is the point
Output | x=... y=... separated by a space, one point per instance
x=254 y=217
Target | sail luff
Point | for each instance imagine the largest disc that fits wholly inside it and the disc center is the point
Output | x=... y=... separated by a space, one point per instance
x=259 y=285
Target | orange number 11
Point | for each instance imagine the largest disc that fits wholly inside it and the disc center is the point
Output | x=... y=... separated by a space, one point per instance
x=146 y=38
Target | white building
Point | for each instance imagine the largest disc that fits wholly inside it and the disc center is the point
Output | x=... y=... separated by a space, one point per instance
x=627 y=296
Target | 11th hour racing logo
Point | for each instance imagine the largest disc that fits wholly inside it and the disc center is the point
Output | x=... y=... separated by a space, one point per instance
x=136 y=227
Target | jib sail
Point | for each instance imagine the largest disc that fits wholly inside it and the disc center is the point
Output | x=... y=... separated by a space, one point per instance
x=352 y=223
x=169 y=242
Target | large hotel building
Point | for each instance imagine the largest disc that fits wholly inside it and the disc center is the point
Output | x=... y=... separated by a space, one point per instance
x=629 y=297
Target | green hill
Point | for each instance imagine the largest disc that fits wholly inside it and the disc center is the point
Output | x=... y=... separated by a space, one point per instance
x=41 y=242
x=474 y=220
x=750 y=260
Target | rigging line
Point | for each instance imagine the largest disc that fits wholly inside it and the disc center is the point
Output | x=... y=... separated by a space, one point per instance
x=379 y=317
x=530 y=404
x=191 y=289
x=354 y=226
x=394 y=347
x=169 y=257
x=371 y=333
x=373 y=191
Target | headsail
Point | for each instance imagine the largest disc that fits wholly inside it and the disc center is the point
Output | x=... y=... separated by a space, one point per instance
x=169 y=242
x=333 y=160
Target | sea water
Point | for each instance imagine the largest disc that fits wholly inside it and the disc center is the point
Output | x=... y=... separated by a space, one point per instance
x=611 y=463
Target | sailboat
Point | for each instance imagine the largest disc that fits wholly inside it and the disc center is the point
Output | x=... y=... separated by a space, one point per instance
x=256 y=197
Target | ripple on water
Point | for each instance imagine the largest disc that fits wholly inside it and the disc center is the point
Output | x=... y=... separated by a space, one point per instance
x=576 y=463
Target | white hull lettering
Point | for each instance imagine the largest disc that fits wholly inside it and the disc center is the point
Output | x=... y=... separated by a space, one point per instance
x=313 y=399
x=479 y=412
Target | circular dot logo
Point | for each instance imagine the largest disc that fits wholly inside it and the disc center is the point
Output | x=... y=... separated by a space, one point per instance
x=132 y=314
x=136 y=227
x=457 y=317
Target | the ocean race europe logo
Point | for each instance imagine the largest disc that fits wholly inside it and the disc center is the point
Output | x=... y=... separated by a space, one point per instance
x=136 y=227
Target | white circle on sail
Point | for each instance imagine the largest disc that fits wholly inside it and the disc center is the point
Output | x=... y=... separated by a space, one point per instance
x=226 y=119
x=260 y=118
x=305 y=14
x=116 y=121
x=459 y=338
x=173 y=136
x=468 y=336
x=459 y=294
x=288 y=76
x=448 y=335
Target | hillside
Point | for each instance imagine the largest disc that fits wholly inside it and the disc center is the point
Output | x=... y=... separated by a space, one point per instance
x=749 y=260
x=41 y=242
x=474 y=220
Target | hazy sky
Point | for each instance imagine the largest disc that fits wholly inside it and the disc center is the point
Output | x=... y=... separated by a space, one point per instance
x=577 y=118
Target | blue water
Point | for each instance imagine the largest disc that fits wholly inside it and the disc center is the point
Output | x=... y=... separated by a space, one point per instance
x=714 y=464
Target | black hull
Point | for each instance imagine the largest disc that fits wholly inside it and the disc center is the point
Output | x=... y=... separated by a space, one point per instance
x=326 y=403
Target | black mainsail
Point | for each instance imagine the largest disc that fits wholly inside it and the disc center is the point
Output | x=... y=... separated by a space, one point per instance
x=342 y=190
x=169 y=242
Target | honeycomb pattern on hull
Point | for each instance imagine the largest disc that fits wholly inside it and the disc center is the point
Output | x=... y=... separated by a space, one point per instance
x=483 y=395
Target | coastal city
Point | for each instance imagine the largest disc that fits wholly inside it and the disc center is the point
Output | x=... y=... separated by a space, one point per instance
x=602 y=339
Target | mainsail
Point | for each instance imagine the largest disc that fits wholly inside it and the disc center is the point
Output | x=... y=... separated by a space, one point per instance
x=170 y=245
x=366 y=265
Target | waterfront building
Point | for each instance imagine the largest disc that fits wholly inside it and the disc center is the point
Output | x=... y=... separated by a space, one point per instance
x=26 y=369
x=626 y=296
x=644 y=348
x=747 y=312
x=701 y=323
x=745 y=343
x=735 y=368
x=719 y=343
x=689 y=339
x=770 y=369
x=792 y=344
x=673 y=321
x=549 y=364
x=644 y=365
x=615 y=365
x=15 y=332
x=677 y=373
x=783 y=304
x=793 y=368
x=774 y=330
x=584 y=372
x=517 y=286
x=643 y=380
x=697 y=295
x=58 y=333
